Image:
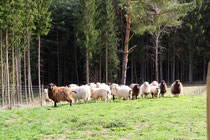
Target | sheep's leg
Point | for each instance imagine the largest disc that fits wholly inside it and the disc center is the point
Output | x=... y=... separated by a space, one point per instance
x=136 y=96
x=152 y=95
x=113 y=97
x=70 y=103
x=55 y=105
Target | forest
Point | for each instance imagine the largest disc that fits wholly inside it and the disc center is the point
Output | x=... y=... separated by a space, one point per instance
x=112 y=41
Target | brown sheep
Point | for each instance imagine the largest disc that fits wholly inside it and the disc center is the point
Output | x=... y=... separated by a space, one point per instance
x=136 y=89
x=163 y=88
x=176 y=88
x=58 y=94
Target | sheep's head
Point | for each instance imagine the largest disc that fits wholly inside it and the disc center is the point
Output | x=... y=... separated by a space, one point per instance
x=177 y=82
x=146 y=84
x=163 y=82
x=50 y=86
x=130 y=94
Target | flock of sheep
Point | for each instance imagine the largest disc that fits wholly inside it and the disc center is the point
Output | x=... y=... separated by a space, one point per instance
x=106 y=92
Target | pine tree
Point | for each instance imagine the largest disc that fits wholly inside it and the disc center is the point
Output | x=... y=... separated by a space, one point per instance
x=156 y=17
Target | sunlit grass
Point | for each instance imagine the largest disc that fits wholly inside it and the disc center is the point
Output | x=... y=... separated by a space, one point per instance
x=163 y=118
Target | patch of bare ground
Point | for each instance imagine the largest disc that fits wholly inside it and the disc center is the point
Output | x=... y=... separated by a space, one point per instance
x=12 y=120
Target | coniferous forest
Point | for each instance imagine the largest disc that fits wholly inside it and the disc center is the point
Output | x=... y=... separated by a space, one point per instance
x=110 y=41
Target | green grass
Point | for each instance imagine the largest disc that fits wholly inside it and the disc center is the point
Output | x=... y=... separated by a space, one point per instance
x=164 y=118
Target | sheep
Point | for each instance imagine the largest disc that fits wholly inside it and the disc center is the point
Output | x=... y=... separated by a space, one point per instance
x=154 y=83
x=73 y=85
x=145 y=89
x=113 y=92
x=123 y=91
x=97 y=93
x=58 y=94
x=163 y=88
x=155 y=91
x=46 y=97
x=176 y=88
x=82 y=92
x=136 y=89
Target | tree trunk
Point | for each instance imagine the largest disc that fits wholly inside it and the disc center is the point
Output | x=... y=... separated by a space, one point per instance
x=190 y=67
x=13 y=80
x=39 y=77
x=161 y=69
x=58 y=57
x=28 y=63
x=168 y=70
x=106 y=61
x=7 y=73
x=100 y=67
x=19 y=70
x=156 y=57
x=17 y=75
x=173 y=74
x=87 y=66
x=75 y=59
x=2 y=71
x=125 y=58
x=24 y=65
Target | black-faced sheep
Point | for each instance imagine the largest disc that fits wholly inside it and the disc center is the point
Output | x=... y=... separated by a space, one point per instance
x=58 y=94
x=176 y=88
x=145 y=89
x=136 y=89
x=163 y=88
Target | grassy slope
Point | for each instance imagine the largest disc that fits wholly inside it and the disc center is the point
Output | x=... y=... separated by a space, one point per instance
x=164 y=118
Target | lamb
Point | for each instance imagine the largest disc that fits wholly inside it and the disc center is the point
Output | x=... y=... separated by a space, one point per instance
x=58 y=94
x=145 y=89
x=123 y=91
x=97 y=93
x=163 y=88
x=82 y=92
x=176 y=88
x=155 y=91
x=136 y=89
x=154 y=83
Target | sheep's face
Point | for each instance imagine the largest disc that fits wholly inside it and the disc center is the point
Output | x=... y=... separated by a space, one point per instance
x=50 y=86
x=163 y=82
x=178 y=82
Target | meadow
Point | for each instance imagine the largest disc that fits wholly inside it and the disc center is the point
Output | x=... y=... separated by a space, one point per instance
x=170 y=117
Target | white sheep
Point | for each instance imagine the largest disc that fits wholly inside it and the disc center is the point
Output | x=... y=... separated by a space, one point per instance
x=155 y=91
x=73 y=85
x=100 y=93
x=82 y=92
x=145 y=89
x=123 y=91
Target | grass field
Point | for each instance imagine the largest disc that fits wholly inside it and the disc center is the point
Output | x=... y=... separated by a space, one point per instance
x=163 y=118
